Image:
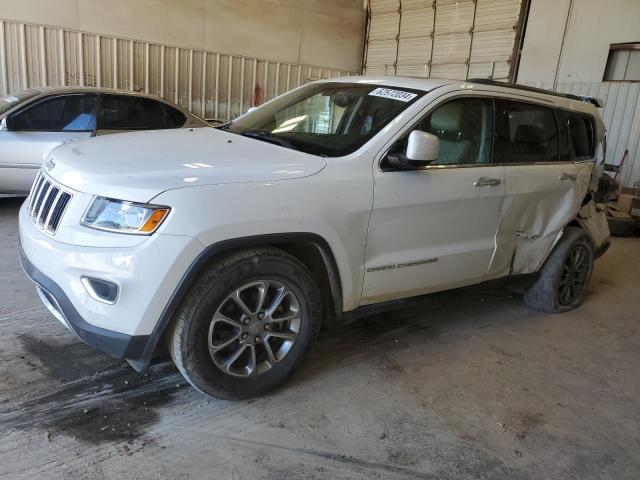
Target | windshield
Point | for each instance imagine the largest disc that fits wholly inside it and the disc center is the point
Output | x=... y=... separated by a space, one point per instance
x=330 y=119
x=10 y=101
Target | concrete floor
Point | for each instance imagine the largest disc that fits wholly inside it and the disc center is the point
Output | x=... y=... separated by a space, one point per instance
x=468 y=384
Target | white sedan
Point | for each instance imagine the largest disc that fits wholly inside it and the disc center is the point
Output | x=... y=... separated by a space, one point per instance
x=33 y=122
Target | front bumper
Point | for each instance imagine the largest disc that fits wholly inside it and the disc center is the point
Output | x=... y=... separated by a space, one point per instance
x=147 y=274
x=116 y=344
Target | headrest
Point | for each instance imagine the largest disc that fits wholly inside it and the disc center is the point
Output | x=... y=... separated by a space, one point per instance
x=530 y=139
x=448 y=117
x=529 y=134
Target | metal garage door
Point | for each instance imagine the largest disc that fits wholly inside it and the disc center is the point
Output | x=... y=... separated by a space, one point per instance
x=442 y=38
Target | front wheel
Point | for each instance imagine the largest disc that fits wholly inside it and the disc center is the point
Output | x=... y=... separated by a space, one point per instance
x=246 y=324
x=563 y=280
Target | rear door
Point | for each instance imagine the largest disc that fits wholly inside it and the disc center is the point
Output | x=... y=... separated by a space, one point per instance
x=37 y=129
x=124 y=113
x=545 y=188
x=434 y=228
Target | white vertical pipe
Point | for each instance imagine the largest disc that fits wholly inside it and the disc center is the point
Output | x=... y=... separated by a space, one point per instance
x=242 y=86
x=3 y=63
x=115 y=63
x=266 y=79
x=288 y=76
x=43 y=57
x=63 y=73
x=162 y=71
x=217 y=86
x=277 y=82
x=203 y=86
x=299 y=75
x=147 y=65
x=131 y=65
x=254 y=72
x=23 y=57
x=190 y=89
x=98 y=61
x=176 y=75
x=229 y=80
x=80 y=59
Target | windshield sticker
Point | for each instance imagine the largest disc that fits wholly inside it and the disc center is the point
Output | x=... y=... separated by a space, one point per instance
x=10 y=99
x=399 y=95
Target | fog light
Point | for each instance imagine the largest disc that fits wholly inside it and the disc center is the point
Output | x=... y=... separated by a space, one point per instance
x=101 y=290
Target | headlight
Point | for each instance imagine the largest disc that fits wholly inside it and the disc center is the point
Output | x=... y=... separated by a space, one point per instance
x=124 y=217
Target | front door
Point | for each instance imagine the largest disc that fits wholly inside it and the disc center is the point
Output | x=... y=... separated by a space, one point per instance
x=434 y=228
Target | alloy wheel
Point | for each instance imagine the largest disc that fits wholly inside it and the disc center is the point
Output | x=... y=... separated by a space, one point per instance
x=573 y=277
x=254 y=328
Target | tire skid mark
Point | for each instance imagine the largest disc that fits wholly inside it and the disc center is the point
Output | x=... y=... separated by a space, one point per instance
x=335 y=457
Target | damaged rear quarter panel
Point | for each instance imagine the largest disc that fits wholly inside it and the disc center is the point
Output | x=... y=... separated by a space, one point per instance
x=539 y=203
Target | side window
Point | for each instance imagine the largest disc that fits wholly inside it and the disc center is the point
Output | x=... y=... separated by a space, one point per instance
x=464 y=127
x=69 y=113
x=136 y=113
x=576 y=136
x=525 y=133
x=174 y=118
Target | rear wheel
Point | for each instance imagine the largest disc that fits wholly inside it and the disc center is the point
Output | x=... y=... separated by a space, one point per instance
x=563 y=280
x=247 y=324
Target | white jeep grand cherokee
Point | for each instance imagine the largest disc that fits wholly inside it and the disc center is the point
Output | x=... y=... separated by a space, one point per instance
x=234 y=245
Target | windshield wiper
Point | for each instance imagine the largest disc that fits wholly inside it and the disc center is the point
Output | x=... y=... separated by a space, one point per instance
x=268 y=137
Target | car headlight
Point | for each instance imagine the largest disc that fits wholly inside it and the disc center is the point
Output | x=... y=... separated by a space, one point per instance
x=124 y=217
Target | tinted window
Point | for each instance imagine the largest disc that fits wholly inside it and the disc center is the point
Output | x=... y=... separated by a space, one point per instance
x=576 y=136
x=525 y=133
x=67 y=113
x=464 y=128
x=136 y=113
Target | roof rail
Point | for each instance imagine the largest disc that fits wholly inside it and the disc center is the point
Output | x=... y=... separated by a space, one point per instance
x=582 y=98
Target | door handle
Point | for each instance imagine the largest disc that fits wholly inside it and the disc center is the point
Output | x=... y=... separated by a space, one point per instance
x=568 y=176
x=486 y=181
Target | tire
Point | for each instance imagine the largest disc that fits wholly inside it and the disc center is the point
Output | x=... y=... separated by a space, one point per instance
x=211 y=316
x=621 y=227
x=549 y=292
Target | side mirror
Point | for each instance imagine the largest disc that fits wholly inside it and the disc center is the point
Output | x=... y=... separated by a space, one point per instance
x=4 y=124
x=422 y=149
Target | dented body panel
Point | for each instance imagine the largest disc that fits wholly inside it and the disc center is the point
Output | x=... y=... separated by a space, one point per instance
x=540 y=201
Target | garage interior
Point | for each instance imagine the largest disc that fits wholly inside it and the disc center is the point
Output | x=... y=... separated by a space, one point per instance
x=462 y=384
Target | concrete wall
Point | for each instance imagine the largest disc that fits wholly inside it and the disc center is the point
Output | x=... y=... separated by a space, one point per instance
x=592 y=26
x=328 y=33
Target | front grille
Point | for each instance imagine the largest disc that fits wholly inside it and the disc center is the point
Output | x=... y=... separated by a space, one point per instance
x=47 y=203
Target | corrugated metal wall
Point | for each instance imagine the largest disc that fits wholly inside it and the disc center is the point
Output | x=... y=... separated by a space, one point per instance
x=621 y=115
x=212 y=85
x=441 y=38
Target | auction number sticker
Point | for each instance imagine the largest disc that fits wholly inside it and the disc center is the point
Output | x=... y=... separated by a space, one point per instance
x=392 y=94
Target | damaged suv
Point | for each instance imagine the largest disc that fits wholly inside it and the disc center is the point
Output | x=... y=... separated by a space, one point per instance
x=234 y=245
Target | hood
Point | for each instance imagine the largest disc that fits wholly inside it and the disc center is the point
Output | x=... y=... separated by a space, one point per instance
x=138 y=166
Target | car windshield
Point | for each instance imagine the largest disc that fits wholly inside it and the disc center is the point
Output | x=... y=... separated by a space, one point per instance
x=10 y=101
x=329 y=119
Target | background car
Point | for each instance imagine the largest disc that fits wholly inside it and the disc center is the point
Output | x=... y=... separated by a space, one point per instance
x=35 y=121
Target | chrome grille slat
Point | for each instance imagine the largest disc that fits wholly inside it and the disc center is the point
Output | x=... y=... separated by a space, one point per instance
x=36 y=184
x=61 y=206
x=53 y=205
x=40 y=201
x=47 y=203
